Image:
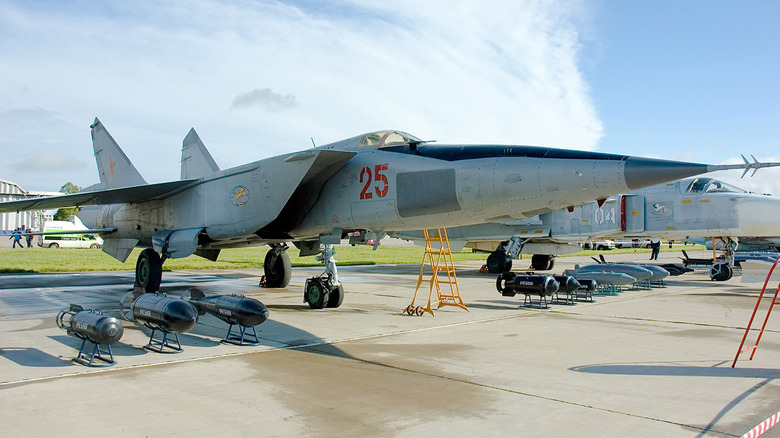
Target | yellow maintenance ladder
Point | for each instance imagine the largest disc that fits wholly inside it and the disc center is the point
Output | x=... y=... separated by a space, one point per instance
x=438 y=246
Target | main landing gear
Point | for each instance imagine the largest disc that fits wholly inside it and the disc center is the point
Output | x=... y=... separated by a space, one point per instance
x=277 y=266
x=500 y=260
x=148 y=271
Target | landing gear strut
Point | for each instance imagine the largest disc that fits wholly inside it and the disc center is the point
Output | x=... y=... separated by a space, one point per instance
x=500 y=260
x=723 y=271
x=148 y=271
x=325 y=290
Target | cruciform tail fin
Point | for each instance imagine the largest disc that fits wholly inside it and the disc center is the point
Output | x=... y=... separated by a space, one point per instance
x=196 y=160
x=114 y=167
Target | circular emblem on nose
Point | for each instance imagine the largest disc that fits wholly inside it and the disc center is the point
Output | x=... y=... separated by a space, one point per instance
x=239 y=195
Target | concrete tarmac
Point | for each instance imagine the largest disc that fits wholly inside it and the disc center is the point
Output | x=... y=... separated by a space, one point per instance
x=644 y=363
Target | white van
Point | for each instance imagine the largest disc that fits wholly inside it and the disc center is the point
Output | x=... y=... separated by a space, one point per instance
x=68 y=240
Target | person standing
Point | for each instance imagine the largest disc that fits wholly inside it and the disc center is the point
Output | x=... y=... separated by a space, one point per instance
x=655 y=245
x=17 y=236
x=28 y=236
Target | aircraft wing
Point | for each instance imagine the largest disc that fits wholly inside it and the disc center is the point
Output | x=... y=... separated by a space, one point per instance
x=98 y=197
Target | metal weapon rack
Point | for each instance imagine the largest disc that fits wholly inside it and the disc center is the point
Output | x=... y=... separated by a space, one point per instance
x=753 y=348
x=439 y=257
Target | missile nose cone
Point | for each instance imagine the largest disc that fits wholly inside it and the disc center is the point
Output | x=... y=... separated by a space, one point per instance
x=110 y=330
x=252 y=312
x=551 y=285
x=646 y=172
x=180 y=316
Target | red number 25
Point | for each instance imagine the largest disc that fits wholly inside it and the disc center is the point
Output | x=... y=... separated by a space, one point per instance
x=381 y=181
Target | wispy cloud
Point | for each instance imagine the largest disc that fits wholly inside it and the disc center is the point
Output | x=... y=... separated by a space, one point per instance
x=48 y=161
x=494 y=72
x=265 y=99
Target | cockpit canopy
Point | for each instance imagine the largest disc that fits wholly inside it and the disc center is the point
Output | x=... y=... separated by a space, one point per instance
x=381 y=139
x=712 y=185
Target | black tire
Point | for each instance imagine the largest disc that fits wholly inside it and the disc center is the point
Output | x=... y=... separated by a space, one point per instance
x=336 y=297
x=542 y=262
x=721 y=272
x=316 y=294
x=53 y=245
x=277 y=269
x=94 y=246
x=496 y=262
x=148 y=271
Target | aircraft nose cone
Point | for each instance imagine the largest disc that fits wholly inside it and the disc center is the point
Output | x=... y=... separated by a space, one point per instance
x=645 y=172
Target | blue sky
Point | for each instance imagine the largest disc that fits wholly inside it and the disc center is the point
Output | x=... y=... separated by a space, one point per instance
x=687 y=80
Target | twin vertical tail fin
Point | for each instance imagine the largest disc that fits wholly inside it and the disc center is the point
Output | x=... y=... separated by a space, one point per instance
x=114 y=167
x=196 y=161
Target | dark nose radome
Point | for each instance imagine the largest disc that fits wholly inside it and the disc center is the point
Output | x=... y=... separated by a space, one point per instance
x=645 y=172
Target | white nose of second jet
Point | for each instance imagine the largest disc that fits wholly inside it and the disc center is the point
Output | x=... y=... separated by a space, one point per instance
x=758 y=215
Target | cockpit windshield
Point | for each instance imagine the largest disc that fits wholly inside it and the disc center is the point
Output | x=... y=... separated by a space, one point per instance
x=712 y=185
x=387 y=138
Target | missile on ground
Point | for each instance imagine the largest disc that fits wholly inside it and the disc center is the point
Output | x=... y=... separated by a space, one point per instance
x=566 y=283
x=603 y=277
x=675 y=269
x=659 y=273
x=232 y=309
x=587 y=285
x=509 y=284
x=638 y=272
x=160 y=312
x=94 y=326
x=244 y=312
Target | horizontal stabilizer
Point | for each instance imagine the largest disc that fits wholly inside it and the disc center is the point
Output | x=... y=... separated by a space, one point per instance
x=99 y=197
x=119 y=249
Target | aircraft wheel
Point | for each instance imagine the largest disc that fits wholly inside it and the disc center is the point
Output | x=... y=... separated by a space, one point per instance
x=277 y=269
x=409 y=310
x=721 y=272
x=316 y=294
x=336 y=297
x=148 y=271
x=497 y=262
x=419 y=310
x=542 y=262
